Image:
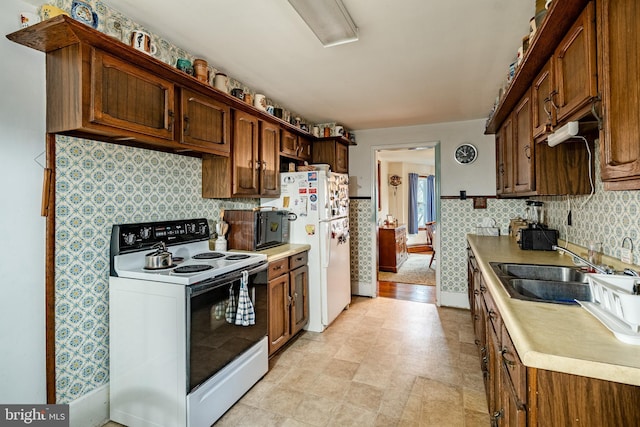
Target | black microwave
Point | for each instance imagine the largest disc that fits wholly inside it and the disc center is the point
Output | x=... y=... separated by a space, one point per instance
x=255 y=230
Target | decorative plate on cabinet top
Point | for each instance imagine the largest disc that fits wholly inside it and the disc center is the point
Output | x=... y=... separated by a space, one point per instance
x=81 y=11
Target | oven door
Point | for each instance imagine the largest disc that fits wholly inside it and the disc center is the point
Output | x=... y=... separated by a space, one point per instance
x=213 y=338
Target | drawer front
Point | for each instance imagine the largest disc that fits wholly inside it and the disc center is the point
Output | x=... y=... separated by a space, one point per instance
x=298 y=260
x=513 y=365
x=278 y=268
x=492 y=314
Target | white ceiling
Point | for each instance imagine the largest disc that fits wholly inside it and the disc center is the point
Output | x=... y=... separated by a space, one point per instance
x=417 y=61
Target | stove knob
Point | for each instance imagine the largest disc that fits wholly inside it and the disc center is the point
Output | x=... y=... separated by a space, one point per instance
x=145 y=233
x=130 y=238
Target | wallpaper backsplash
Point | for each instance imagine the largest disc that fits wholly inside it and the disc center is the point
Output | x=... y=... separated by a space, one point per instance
x=98 y=185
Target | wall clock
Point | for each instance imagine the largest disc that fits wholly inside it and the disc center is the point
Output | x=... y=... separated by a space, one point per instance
x=466 y=153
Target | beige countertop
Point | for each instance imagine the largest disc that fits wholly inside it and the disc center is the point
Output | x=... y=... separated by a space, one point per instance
x=553 y=336
x=277 y=252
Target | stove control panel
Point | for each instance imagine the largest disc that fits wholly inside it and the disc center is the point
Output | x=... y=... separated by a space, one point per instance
x=141 y=236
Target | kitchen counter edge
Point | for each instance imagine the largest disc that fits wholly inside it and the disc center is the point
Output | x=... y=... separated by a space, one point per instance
x=276 y=253
x=549 y=336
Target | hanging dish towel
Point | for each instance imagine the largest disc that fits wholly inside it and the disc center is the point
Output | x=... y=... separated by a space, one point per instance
x=230 y=313
x=246 y=315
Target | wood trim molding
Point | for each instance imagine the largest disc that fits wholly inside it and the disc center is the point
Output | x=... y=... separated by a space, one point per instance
x=50 y=288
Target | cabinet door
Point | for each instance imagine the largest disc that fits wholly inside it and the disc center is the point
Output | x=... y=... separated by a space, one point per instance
x=130 y=98
x=504 y=158
x=575 y=65
x=299 y=284
x=342 y=158
x=205 y=123
x=304 y=148
x=269 y=159
x=523 y=166
x=246 y=164
x=288 y=144
x=279 y=303
x=619 y=38
x=543 y=114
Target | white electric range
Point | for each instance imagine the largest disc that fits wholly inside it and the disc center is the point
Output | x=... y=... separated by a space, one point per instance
x=183 y=347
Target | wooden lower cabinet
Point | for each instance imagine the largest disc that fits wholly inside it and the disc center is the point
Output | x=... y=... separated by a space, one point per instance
x=518 y=395
x=288 y=291
x=392 y=244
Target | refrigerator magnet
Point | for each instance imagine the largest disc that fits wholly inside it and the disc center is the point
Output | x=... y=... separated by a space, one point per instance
x=310 y=229
x=313 y=197
x=312 y=176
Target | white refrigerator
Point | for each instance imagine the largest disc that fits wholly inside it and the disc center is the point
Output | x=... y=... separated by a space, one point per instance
x=318 y=202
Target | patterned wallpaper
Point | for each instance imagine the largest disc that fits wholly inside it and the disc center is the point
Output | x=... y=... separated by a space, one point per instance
x=606 y=217
x=98 y=185
x=361 y=232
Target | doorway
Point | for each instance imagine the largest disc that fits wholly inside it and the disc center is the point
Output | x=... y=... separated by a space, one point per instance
x=414 y=276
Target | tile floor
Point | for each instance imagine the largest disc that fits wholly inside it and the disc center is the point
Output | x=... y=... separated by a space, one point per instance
x=383 y=362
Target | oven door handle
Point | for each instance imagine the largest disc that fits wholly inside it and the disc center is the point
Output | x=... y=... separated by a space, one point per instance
x=202 y=287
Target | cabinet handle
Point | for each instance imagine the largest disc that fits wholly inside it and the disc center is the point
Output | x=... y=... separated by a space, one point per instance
x=264 y=165
x=493 y=314
x=171 y=120
x=527 y=151
x=257 y=165
x=551 y=98
x=186 y=125
x=483 y=289
x=503 y=352
x=476 y=292
x=496 y=416
x=290 y=301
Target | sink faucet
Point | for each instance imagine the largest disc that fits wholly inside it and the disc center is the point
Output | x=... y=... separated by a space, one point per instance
x=576 y=256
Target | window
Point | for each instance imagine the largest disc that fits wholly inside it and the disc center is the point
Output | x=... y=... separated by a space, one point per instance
x=425 y=199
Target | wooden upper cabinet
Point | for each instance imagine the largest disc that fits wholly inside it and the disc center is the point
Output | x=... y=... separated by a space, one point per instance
x=305 y=148
x=289 y=144
x=295 y=146
x=543 y=114
x=523 y=156
x=575 y=67
x=204 y=123
x=128 y=97
x=246 y=164
x=618 y=42
x=269 y=159
x=504 y=151
x=333 y=152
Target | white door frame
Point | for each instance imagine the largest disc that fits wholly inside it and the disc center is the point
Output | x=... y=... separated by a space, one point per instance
x=374 y=204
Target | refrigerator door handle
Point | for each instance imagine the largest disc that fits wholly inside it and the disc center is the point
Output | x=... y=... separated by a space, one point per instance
x=327 y=243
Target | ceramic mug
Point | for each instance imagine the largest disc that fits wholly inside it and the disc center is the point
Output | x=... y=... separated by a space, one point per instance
x=338 y=131
x=260 y=102
x=142 y=41
x=184 y=65
x=270 y=109
x=221 y=82
x=201 y=70
x=238 y=93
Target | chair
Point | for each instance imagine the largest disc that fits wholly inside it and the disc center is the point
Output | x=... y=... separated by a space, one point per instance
x=431 y=226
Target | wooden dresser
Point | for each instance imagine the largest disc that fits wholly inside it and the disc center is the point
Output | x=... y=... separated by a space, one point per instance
x=392 y=247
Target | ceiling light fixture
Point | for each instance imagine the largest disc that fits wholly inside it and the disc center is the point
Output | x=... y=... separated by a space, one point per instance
x=328 y=19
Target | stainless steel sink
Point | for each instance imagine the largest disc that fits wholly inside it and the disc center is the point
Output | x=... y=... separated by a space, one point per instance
x=544 y=283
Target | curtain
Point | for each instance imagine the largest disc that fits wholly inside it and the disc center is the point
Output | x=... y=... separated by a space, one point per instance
x=413 y=203
x=430 y=203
